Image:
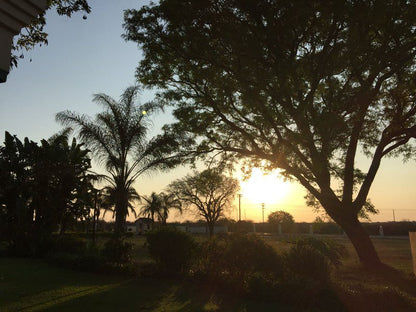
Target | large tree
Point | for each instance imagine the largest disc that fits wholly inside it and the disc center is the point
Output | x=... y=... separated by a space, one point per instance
x=304 y=86
x=117 y=136
x=209 y=192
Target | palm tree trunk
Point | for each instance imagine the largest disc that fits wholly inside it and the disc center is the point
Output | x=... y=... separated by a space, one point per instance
x=120 y=220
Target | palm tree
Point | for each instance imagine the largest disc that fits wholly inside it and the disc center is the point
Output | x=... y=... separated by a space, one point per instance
x=117 y=137
x=169 y=201
x=152 y=206
x=108 y=200
x=159 y=205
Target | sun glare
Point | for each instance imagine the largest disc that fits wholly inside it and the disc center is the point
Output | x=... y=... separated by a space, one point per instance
x=261 y=188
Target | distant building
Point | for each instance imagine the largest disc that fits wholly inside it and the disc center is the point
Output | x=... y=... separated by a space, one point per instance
x=14 y=15
x=142 y=226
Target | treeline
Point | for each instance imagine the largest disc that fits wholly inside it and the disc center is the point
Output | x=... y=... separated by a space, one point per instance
x=401 y=228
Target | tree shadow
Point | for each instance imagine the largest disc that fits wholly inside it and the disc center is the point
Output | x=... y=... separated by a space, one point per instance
x=380 y=289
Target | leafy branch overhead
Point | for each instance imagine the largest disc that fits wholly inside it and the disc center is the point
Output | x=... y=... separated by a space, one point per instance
x=34 y=34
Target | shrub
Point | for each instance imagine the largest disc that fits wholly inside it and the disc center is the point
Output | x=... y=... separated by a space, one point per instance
x=173 y=250
x=69 y=244
x=264 y=287
x=331 y=249
x=230 y=260
x=117 y=251
x=307 y=264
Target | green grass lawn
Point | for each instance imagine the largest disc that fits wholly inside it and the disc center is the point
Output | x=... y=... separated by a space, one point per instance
x=33 y=285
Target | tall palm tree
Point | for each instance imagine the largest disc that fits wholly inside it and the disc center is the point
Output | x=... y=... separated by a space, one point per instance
x=117 y=137
x=159 y=205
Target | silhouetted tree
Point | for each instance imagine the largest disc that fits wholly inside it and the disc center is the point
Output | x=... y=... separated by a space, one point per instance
x=117 y=136
x=301 y=86
x=168 y=202
x=159 y=205
x=16 y=217
x=152 y=206
x=281 y=217
x=109 y=196
x=209 y=192
x=42 y=186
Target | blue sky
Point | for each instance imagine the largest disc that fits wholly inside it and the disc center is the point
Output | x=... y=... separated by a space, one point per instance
x=89 y=56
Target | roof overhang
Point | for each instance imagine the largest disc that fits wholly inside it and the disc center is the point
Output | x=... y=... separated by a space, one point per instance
x=14 y=15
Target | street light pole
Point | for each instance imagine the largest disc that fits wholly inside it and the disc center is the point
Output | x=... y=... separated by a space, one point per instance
x=239 y=206
x=262 y=208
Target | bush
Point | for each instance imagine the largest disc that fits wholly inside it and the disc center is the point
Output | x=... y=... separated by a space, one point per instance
x=173 y=250
x=331 y=249
x=306 y=263
x=230 y=260
x=69 y=244
x=117 y=251
x=264 y=287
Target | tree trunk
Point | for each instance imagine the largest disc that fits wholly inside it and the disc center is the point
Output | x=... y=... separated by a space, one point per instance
x=120 y=220
x=211 y=229
x=361 y=241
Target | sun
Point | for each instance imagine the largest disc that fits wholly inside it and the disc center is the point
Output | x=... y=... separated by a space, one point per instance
x=265 y=188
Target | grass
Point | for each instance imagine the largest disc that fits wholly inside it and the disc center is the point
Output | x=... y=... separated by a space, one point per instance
x=32 y=285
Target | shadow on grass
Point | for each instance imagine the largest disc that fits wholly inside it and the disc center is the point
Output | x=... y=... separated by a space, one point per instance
x=382 y=289
x=161 y=295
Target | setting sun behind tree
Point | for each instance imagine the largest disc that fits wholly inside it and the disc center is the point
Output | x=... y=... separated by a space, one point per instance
x=265 y=188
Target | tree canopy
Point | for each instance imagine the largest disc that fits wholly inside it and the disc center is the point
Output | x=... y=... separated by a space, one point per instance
x=302 y=86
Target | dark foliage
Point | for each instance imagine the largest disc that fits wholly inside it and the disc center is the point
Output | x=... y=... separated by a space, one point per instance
x=172 y=249
x=230 y=260
x=330 y=249
x=116 y=250
x=70 y=244
x=41 y=186
x=306 y=262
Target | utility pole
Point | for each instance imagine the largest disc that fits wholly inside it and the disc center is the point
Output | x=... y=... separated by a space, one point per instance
x=262 y=208
x=394 y=216
x=239 y=206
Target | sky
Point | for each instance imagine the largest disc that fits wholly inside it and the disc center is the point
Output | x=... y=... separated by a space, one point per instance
x=89 y=56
